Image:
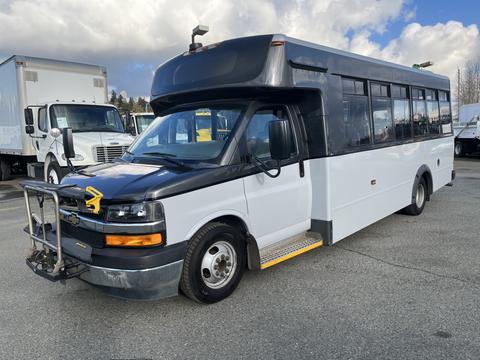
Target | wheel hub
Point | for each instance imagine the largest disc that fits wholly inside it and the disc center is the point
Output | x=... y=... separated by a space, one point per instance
x=420 y=197
x=218 y=264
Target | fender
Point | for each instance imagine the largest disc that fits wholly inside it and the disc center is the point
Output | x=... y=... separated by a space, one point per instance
x=253 y=254
x=424 y=169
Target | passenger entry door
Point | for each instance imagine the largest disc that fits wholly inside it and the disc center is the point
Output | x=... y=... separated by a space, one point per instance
x=278 y=207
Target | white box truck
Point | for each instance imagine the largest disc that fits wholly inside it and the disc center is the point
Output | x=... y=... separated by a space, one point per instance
x=467 y=130
x=38 y=98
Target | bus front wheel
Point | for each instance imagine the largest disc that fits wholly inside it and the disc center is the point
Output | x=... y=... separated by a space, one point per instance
x=214 y=263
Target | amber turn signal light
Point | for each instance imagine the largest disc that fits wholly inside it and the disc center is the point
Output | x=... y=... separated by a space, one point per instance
x=134 y=240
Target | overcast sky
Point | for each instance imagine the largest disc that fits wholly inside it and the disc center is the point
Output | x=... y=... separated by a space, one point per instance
x=132 y=38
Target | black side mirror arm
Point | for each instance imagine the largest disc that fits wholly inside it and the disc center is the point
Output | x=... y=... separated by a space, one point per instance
x=262 y=166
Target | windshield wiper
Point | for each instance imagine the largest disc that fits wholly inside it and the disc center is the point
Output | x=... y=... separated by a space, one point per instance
x=168 y=157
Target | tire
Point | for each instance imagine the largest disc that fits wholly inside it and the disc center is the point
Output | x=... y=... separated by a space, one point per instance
x=54 y=172
x=459 y=149
x=5 y=170
x=214 y=263
x=418 y=203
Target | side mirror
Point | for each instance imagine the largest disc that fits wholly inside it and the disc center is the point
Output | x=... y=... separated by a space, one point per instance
x=55 y=132
x=68 y=148
x=28 y=116
x=280 y=140
x=29 y=129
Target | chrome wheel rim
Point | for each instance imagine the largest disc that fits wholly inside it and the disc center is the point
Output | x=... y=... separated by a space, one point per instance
x=53 y=177
x=420 y=197
x=218 y=264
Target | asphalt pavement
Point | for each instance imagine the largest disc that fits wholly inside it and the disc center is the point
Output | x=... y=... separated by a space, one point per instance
x=403 y=288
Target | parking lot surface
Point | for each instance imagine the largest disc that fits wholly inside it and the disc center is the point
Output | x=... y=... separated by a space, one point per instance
x=403 y=288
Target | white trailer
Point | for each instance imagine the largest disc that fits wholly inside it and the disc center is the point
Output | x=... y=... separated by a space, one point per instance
x=54 y=95
x=467 y=130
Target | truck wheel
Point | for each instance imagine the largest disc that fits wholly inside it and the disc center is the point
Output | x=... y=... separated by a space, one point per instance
x=418 y=203
x=54 y=172
x=214 y=263
x=5 y=170
x=459 y=149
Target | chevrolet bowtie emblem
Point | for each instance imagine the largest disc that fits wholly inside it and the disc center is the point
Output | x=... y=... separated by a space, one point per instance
x=95 y=201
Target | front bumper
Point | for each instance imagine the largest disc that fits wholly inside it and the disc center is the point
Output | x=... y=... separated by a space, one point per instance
x=133 y=273
x=144 y=284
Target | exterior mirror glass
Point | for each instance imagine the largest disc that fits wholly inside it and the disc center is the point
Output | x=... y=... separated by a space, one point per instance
x=29 y=129
x=68 y=148
x=28 y=116
x=280 y=140
x=55 y=132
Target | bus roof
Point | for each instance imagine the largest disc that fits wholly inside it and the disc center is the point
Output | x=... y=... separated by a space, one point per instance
x=278 y=62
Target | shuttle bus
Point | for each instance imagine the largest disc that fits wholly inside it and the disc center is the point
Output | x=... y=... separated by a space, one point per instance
x=306 y=146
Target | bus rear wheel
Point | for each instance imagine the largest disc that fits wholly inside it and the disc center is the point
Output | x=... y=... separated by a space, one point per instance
x=214 y=263
x=419 y=200
x=459 y=149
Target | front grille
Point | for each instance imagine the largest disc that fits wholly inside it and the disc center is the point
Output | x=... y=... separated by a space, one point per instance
x=109 y=153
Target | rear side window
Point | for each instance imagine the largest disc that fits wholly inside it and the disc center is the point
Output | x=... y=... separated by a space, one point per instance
x=356 y=124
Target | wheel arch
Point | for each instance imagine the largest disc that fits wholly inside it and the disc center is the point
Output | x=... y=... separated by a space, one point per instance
x=425 y=173
x=238 y=221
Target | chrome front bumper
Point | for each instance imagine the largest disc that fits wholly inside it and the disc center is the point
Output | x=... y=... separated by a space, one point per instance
x=154 y=283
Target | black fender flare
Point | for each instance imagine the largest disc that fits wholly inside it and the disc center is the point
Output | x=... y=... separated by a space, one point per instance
x=423 y=170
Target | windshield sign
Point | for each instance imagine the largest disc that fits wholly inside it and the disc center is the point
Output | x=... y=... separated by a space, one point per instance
x=198 y=134
x=86 y=118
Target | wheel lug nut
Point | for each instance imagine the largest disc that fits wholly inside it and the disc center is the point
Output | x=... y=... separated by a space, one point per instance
x=217 y=260
x=215 y=267
x=229 y=263
x=226 y=270
x=217 y=273
x=227 y=258
x=223 y=257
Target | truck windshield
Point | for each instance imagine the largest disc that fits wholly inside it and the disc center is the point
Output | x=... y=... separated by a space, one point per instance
x=143 y=121
x=86 y=118
x=197 y=134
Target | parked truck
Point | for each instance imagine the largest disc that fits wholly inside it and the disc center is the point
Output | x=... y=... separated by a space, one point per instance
x=38 y=98
x=136 y=123
x=467 y=130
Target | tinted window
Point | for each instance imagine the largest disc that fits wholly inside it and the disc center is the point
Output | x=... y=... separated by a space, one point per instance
x=379 y=89
x=420 y=121
x=418 y=94
x=351 y=86
x=401 y=118
x=42 y=119
x=399 y=91
x=433 y=117
x=231 y=61
x=442 y=96
x=257 y=136
x=430 y=94
x=382 y=119
x=356 y=124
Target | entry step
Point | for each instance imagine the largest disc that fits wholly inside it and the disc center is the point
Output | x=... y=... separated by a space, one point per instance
x=289 y=248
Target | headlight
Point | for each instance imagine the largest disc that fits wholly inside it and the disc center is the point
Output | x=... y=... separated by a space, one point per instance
x=147 y=211
x=77 y=157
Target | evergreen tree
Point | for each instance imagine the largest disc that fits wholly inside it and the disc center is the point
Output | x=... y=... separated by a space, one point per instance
x=120 y=102
x=113 y=98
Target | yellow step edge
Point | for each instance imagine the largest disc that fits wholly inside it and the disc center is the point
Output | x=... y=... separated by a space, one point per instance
x=291 y=255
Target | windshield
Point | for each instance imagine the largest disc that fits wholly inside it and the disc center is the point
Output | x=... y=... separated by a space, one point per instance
x=86 y=118
x=143 y=121
x=198 y=134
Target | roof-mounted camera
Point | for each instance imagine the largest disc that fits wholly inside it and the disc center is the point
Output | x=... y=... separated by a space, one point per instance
x=199 y=30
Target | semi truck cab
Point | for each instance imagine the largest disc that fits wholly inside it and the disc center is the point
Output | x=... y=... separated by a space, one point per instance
x=97 y=131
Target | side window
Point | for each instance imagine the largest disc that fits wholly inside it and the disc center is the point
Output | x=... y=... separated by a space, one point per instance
x=445 y=115
x=42 y=120
x=420 y=120
x=382 y=113
x=401 y=113
x=433 y=112
x=257 y=137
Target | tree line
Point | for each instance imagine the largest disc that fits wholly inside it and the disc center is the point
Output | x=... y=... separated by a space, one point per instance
x=468 y=83
x=129 y=104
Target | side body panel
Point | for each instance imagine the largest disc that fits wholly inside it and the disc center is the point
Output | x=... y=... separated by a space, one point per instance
x=11 y=111
x=364 y=187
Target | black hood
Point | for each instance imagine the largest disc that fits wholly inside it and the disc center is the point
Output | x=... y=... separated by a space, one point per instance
x=127 y=182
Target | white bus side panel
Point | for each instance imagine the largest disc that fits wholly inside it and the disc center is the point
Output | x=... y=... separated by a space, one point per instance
x=367 y=186
x=186 y=213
